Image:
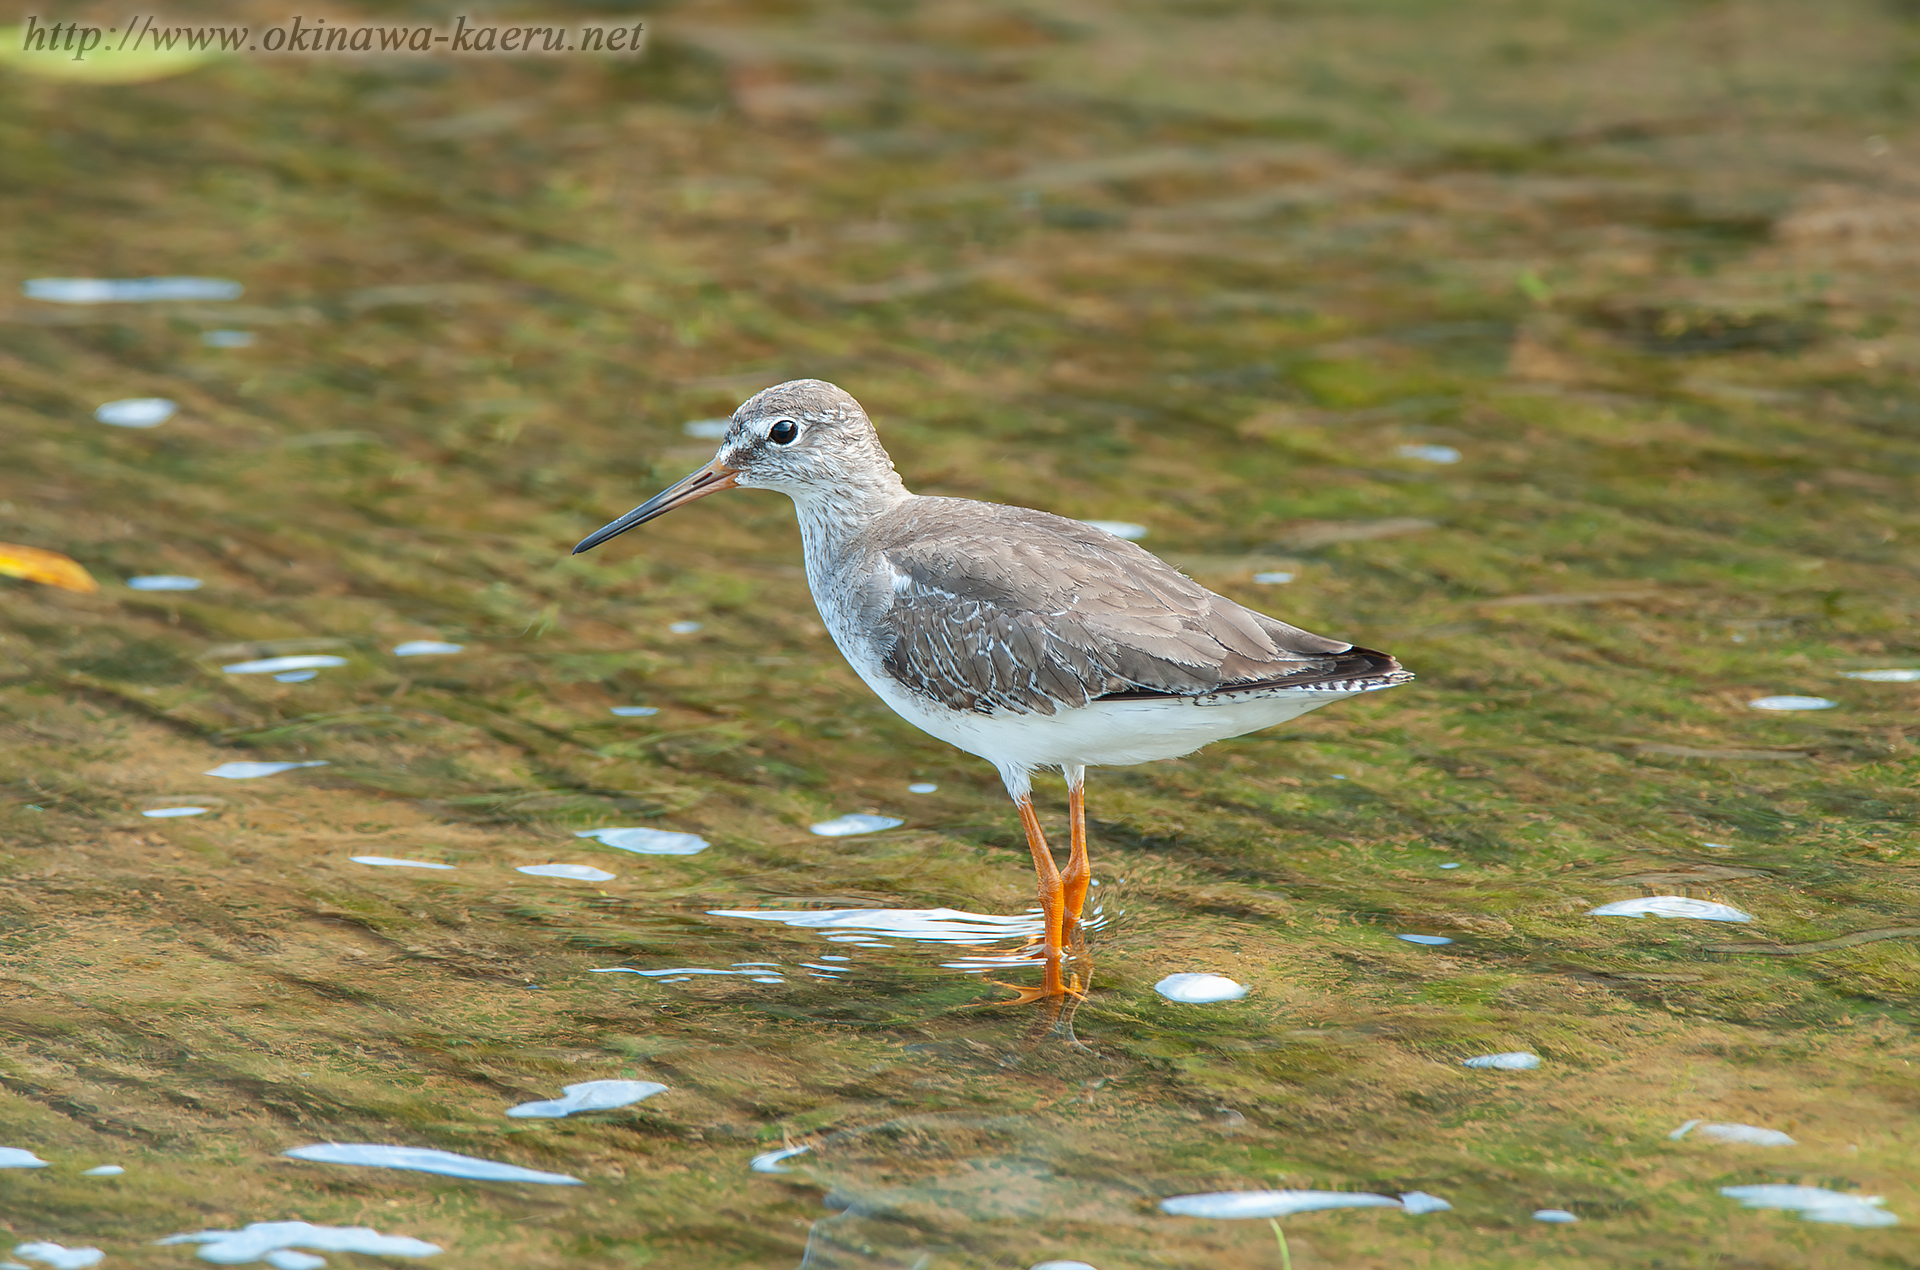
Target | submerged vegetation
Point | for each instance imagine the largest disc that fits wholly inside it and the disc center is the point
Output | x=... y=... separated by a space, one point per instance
x=1237 y=273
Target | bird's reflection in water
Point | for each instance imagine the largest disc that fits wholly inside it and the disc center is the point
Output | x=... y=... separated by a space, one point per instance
x=847 y=1241
x=1052 y=1023
x=936 y=1188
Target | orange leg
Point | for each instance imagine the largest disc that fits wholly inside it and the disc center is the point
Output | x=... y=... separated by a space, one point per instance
x=1052 y=896
x=1079 y=874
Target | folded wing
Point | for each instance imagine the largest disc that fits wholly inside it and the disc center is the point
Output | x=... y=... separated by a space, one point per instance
x=1025 y=612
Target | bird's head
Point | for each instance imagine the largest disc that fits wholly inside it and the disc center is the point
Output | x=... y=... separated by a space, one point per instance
x=805 y=438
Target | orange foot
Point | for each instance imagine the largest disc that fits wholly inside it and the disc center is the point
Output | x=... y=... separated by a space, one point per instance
x=1026 y=996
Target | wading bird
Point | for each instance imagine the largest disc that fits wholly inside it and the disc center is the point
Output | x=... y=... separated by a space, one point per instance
x=1028 y=639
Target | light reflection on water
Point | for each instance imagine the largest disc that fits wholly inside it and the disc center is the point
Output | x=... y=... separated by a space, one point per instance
x=979 y=943
x=1244 y=1205
x=591 y=1095
x=769 y=1161
x=943 y=926
x=678 y=974
x=1815 y=1203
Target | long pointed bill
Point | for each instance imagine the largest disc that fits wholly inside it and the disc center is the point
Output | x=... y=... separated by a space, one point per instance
x=710 y=479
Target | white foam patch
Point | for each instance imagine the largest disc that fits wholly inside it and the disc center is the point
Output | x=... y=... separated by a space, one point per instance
x=1556 y=1215
x=253 y=771
x=847 y=826
x=1432 y=941
x=922 y=787
x=103 y=1170
x=1792 y=703
x=1511 y=1061
x=136 y=412
x=1454 y=864
x=295 y=676
x=278 y=665
x=1240 y=1205
x=19 y=1158
x=1892 y=675
x=394 y=862
x=634 y=712
x=576 y=872
x=426 y=1160
x=128 y=290
x=168 y=813
x=643 y=841
x=592 y=1095
x=58 y=1256
x=1671 y=906
x=1199 y=989
x=683 y=628
x=426 y=648
x=1119 y=528
x=1736 y=1134
x=706 y=429
x=1419 y=1203
x=164 y=582
x=262 y=1238
x=1814 y=1203
x=1273 y=579
x=227 y=339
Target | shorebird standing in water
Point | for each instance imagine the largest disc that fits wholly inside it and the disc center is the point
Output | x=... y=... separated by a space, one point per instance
x=1028 y=639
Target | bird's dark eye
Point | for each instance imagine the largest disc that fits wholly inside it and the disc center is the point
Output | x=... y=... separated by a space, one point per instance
x=783 y=432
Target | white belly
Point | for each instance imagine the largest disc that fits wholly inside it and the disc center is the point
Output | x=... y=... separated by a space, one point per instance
x=1101 y=733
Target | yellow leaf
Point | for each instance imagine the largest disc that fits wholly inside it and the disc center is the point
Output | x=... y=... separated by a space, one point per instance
x=50 y=567
x=100 y=66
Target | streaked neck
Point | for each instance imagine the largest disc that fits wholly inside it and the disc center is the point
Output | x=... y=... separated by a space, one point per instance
x=830 y=519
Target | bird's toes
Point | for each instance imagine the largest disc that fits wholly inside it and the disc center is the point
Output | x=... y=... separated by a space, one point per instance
x=1027 y=996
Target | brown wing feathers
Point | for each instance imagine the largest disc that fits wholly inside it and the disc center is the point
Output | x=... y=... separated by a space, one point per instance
x=1023 y=611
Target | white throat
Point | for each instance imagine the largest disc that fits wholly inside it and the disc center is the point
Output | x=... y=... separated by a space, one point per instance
x=831 y=519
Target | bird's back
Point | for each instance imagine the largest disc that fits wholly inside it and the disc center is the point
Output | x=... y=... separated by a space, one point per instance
x=991 y=609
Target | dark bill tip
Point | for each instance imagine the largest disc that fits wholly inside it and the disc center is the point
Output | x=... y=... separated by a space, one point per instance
x=639 y=515
x=710 y=479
